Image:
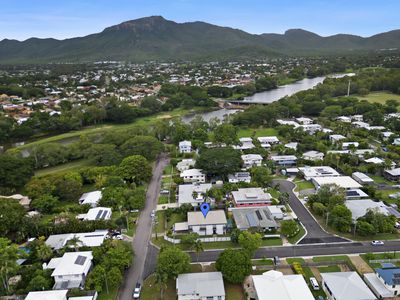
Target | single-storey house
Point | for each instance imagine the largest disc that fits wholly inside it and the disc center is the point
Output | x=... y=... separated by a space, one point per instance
x=97 y=213
x=239 y=177
x=345 y=182
x=284 y=160
x=254 y=217
x=335 y=138
x=91 y=198
x=359 y=208
x=185 y=164
x=271 y=140
x=393 y=174
x=304 y=120
x=292 y=146
x=193 y=175
x=362 y=178
x=200 y=286
x=251 y=197
x=347 y=145
x=345 y=286
x=86 y=239
x=70 y=270
x=274 y=285
x=311 y=128
x=193 y=194
x=313 y=155
x=47 y=295
x=319 y=171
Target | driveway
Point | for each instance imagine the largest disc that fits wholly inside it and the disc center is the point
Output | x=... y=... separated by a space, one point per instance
x=145 y=255
x=315 y=234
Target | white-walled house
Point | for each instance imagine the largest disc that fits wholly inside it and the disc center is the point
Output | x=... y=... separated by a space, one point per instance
x=200 y=286
x=304 y=121
x=97 y=213
x=185 y=147
x=185 y=164
x=47 y=295
x=193 y=194
x=313 y=155
x=239 y=177
x=193 y=175
x=214 y=222
x=252 y=160
x=70 y=270
x=335 y=138
x=91 y=198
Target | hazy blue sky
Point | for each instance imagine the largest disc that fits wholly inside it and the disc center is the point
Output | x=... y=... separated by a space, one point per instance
x=21 y=19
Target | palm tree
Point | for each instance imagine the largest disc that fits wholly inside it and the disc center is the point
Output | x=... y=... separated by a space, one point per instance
x=75 y=243
x=43 y=252
x=198 y=248
x=162 y=279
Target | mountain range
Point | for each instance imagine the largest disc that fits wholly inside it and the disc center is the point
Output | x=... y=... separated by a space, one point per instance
x=155 y=38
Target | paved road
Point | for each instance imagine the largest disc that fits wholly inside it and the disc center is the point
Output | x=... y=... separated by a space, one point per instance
x=315 y=234
x=145 y=254
x=309 y=250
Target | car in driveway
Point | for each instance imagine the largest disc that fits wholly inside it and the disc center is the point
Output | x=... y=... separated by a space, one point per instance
x=377 y=243
x=136 y=291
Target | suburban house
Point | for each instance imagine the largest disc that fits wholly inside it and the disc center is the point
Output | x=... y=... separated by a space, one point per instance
x=274 y=285
x=97 y=213
x=348 y=145
x=70 y=270
x=185 y=164
x=254 y=217
x=267 y=141
x=289 y=123
x=239 y=177
x=251 y=197
x=359 y=208
x=85 y=239
x=345 y=182
x=200 y=286
x=185 y=147
x=389 y=275
x=344 y=119
x=357 y=118
x=193 y=194
x=375 y=161
x=320 y=171
x=304 y=121
x=47 y=295
x=311 y=128
x=393 y=174
x=345 y=286
x=245 y=143
x=213 y=223
x=313 y=155
x=396 y=142
x=193 y=175
x=91 y=198
x=360 y=124
x=362 y=178
x=24 y=201
x=284 y=160
x=354 y=194
x=292 y=146
x=335 y=138
x=252 y=160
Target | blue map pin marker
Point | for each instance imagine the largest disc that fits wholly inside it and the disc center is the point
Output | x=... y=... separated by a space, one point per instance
x=205 y=208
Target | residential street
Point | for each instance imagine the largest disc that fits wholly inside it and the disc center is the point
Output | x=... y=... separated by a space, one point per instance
x=315 y=234
x=145 y=258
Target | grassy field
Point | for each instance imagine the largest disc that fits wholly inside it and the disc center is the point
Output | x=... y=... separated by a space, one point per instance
x=105 y=127
x=379 y=97
x=151 y=290
x=298 y=236
x=256 y=132
x=67 y=167
x=304 y=185
x=295 y=259
x=329 y=269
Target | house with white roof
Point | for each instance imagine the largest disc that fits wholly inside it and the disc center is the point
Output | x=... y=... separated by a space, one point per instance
x=193 y=175
x=345 y=182
x=292 y=146
x=200 y=286
x=252 y=160
x=393 y=174
x=213 y=223
x=360 y=207
x=344 y=119
x=360 y=124
x=362 y=178
x=251 y=197
x=313 y=155
x=375 y=161
x=97 y=213
x=335 y=138
x=193 y=194
x=284 y=160
x=86 y=239
x=345 y=286
x=70 y=270
x=319 y=171
x=274 y=285
x=185 y=147
x=304 y=121
x=311 y=128
x=357 y=118
x=91 y=198
x=47 y=295
x=239 y=177
x=289 y=123
x=347 y=145
x=271 y=140
x=185 y=164
x=396 y=142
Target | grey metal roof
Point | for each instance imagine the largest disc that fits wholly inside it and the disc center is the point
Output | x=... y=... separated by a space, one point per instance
x=248 y=217
x=206 y=284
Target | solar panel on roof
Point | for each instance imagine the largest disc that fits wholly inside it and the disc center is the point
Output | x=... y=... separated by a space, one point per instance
x=396 y=275
x=104 y=214
x=396 y=281
x=98 y=214
x=352 y=193
x=250 y=219
x=258 y=215
x=80 y=260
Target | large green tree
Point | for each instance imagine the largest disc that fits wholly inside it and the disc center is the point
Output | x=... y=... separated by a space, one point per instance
x=11 y=218
x=146 y=146
x=15 y=172
x=250 y=242
x=135 y=169
x=234 y=265
x=171 y=262
x=219 y=161
x=226 y=133
x=8 y=261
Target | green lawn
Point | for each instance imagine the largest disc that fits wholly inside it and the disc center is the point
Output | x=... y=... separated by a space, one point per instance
x=379 y=97
x=380 y=179
x=330 y=258
x=262 y=262
x=257 y=132
x=74 y=165
x=298 y=236
x=161 y=221
x=387 y=255
x=329 y=269
x=292 y=260
x=151 y=290
x=304 y=185
x=112 y=295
